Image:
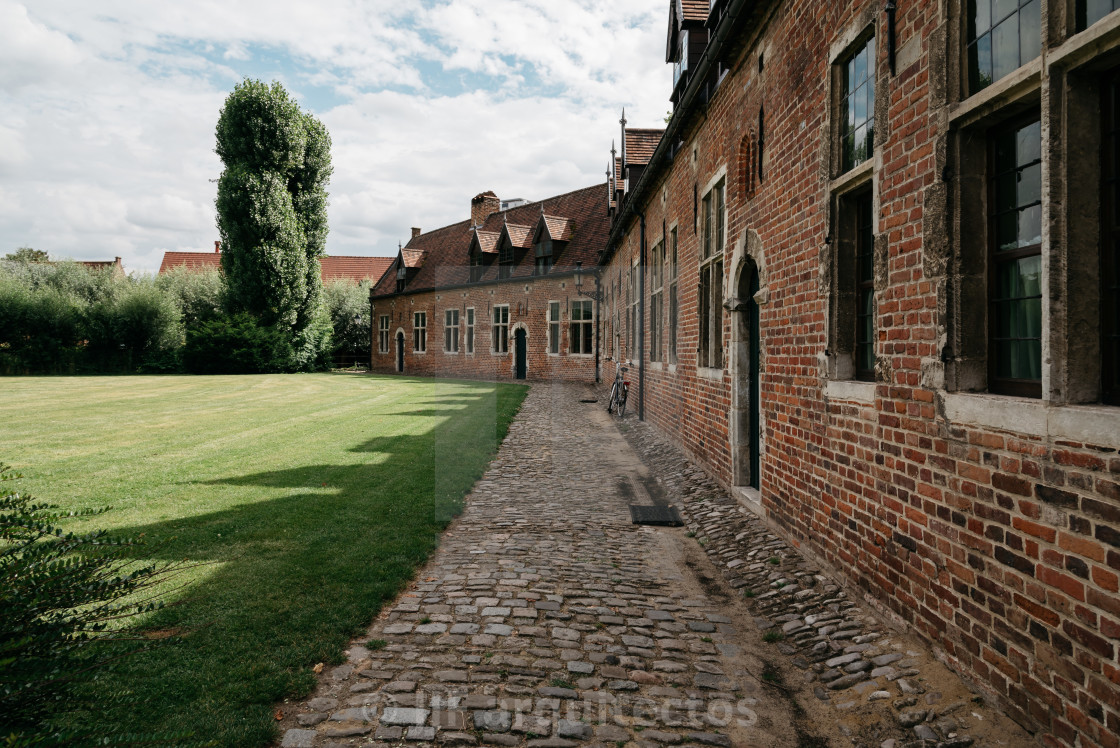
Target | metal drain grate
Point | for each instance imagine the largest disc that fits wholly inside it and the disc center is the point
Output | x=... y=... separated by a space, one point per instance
x=590 y=400
x=664 y=516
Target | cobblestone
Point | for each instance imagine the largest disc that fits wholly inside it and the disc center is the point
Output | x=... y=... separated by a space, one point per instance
x=547 y=619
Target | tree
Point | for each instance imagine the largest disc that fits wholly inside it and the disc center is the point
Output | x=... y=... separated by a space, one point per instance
x=272 y=214
x=27 y=254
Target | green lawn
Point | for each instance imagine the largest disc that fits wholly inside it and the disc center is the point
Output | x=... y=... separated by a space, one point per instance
x=310 y=498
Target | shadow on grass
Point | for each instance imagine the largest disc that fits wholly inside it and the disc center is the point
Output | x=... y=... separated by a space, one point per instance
x=298 y=574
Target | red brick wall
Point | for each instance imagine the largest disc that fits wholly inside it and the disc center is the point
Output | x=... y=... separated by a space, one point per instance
x=528 y=301
x=1001 y=547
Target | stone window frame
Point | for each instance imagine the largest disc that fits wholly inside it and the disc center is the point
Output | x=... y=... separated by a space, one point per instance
x=420 y=332
x=469 y=331
x=711 y=248
x=383 y=322
x=451 y=331
x=1067 y=95
x=656 y=301
x=554 y=326
x=673 y=294
x=847 y=187
x=497 y=339
x=586 y=324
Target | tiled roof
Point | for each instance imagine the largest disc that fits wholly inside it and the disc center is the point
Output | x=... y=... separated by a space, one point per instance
x=519 y=236
x=641 y=143
x=487 y=240
x=447 y=261
x=342 y=267
x=694 y=10
x=560 y=229
x=191 y=261
x=331 y=267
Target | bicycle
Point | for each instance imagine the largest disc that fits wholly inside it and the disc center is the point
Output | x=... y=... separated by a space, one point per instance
x=619 y=390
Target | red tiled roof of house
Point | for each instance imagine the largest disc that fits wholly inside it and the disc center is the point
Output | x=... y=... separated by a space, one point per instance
x=346 y=267
x=448 y=263
x=330 y=267
x=487 y=240
x=519 y=236
x=560 y=229
x=695 y=10
x=641 y=143
x=191 y=261
x=413 y=258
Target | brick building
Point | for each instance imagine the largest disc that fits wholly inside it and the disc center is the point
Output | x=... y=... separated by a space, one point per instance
x=494 y=296
x=869 y=278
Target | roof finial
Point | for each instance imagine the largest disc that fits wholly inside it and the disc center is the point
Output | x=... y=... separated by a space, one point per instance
x=623 y=120
x=614 y=152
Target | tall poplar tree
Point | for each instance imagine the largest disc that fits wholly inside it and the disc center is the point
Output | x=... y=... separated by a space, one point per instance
x=272 y=216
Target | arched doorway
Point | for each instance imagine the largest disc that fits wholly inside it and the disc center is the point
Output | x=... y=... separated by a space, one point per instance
x=400 y=352
x=746 y=408
x=521 y=354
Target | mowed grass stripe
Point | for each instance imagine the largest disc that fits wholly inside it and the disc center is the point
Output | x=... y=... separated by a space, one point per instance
x=310 y=498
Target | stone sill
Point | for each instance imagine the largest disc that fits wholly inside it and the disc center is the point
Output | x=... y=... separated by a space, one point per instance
x=1087 y=45
x=1022 y=83
x=1098 y=425
x=705 y=372
x=850 y=390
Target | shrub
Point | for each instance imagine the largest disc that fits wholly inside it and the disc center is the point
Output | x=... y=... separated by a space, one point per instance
x=348 y=304
x=199 y=294
x=63 y=597
x=234 y=344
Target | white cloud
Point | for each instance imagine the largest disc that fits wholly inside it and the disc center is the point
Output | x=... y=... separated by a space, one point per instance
x=107 y=109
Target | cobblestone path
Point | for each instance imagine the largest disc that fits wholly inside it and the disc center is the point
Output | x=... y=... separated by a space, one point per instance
x=546 y=618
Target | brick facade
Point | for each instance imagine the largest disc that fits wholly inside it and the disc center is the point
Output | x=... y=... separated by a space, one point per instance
x=987 y=522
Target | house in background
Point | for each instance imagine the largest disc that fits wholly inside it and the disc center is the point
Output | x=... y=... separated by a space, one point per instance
x=331 y=267
x=495 y=296
x=114 y=266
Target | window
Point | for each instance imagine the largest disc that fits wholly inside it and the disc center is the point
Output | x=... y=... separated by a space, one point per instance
x=505 y=261
x=680 y=65
x=470 y=331
x=383 y=333
x=710 y=313
x=865 y=287
x=543 y=252
x=655 y=297
x=673 y=296
x=477 y=268
x=1110 y=241
x=857 y=106
x=1091 y=11
x=499 y=335
x=402 y=274
x=632 y=312
x=1015 y=260
x=581 y=337
x=1002 y=36
x=554 y=327
x=451 y=331
x=420 y=332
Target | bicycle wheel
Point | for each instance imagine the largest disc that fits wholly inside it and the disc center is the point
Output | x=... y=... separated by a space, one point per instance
x=611 y=399
x=622 y=404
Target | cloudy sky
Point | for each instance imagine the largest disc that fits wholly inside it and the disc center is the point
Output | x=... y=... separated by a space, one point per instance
x=107 y=109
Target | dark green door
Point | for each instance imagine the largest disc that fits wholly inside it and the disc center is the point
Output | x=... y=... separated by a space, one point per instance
x=755 y=375
x=400 y=351
x=521 y=354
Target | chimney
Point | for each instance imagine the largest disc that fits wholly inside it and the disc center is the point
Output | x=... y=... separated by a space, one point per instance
x=483 y=206
x=415 y=231
x=217 y=246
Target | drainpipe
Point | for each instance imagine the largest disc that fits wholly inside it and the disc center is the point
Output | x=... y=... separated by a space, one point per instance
x=641 y=317
x=598 y=311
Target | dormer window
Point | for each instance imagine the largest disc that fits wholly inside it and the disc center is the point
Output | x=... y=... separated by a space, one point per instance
x=680 y=65
x=505 y=260
x=477 y=268
x=543 y=253
x=402 y=274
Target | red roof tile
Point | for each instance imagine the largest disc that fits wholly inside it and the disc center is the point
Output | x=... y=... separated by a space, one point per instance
x=641 y=143
x=447 y=260
x=695 y=10
x=487 y=240
x=560 y=229
x=519 y=236
x=336 y=267
x=343 y=267
x=191 y=261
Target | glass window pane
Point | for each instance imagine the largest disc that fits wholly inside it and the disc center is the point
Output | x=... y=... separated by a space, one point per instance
x=1095 y=10
x=859 y=68
x=1029 y=188
x=980 y=64
x=1005 y=48
x=979 y=17
x=1007 y=231
x=1003 y=8
x=1006 y=193
x=1030 y=226
x=1030 y=31
x=1028 y=143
